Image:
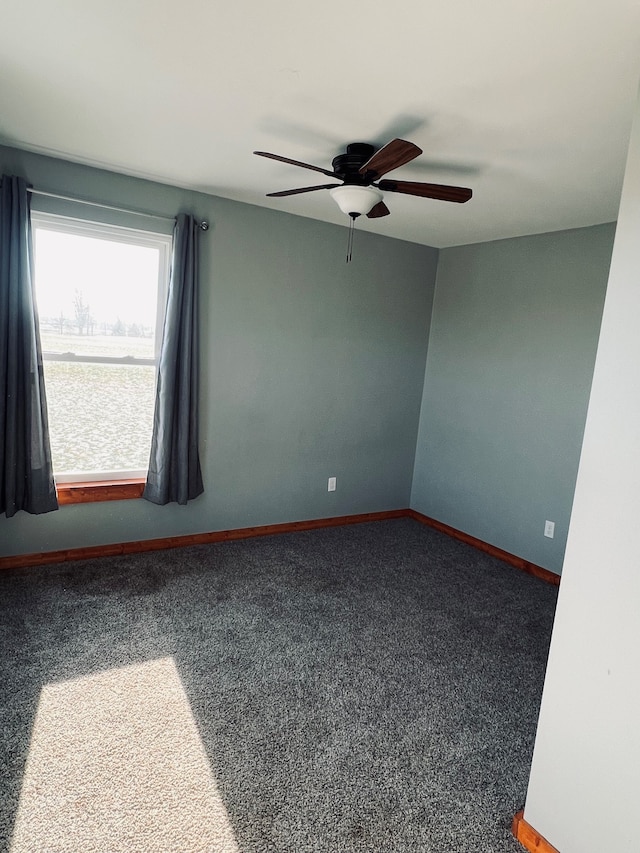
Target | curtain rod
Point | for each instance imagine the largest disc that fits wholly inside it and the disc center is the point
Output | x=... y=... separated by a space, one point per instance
x=204 y=225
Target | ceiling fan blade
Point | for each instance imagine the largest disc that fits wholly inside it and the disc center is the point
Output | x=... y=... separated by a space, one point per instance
x=302 y=190
x=438 y=191
x=295 y=163
x=380 y=209
x=392 y=155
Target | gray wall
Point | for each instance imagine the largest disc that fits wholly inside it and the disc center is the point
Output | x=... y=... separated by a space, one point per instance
x=310 y=368
x=511 y=353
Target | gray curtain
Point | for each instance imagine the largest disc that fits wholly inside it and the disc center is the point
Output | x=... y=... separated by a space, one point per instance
x=174 y=467
x=26 y=473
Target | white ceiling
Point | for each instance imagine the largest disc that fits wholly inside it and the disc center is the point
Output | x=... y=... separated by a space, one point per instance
x=528 y=102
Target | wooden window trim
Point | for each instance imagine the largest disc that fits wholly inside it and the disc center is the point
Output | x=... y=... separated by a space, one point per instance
x=100 y=490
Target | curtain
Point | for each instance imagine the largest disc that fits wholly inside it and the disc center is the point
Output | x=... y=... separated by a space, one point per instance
x=174 y=466
x=26 y=474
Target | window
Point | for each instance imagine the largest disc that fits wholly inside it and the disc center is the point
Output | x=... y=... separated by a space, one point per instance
x=101 y=291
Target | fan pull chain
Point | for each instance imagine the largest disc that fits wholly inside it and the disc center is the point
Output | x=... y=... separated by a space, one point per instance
x=352 y=226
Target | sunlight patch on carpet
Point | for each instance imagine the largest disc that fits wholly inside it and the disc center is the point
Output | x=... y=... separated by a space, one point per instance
x=116 y=763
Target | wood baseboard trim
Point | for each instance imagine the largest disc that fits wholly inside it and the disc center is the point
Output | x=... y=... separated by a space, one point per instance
x=528 y=837
x=39 y=559
x=517 y=562
x=94 y=551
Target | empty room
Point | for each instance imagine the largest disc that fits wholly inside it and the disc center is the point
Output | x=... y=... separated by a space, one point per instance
x=318 y=432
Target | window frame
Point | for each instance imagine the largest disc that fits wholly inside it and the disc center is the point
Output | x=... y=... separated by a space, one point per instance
x=88 y=486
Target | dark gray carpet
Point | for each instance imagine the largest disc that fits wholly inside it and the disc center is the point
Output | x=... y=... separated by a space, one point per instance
x=365 y=688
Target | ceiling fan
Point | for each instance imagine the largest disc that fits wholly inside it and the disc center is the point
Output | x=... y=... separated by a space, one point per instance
x=360 y=168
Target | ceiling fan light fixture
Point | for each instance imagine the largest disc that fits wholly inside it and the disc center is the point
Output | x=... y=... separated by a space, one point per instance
x=356 y=200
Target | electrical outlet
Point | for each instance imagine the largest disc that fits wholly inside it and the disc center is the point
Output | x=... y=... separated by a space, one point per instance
x=549 y=529
x=332 y=484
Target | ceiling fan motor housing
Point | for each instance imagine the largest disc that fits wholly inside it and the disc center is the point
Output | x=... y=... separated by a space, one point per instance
x=347 y=166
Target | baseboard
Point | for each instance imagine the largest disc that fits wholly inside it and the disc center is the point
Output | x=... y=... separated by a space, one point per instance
x=94 y=551
x=512 y=559
x=116 y=549
x=528 y=837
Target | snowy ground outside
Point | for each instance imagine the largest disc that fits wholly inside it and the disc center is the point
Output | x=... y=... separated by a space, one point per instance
x=100 y=415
